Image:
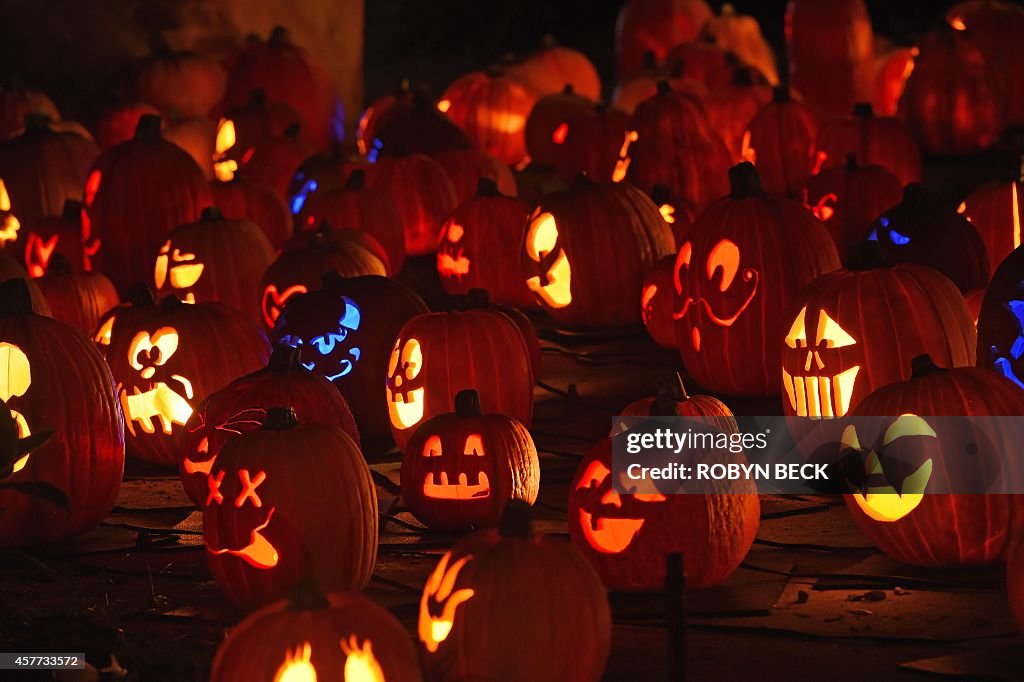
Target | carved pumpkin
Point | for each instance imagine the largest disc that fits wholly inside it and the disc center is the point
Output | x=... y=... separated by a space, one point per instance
x=137 y=192
x=377 y=113
x=592 y=142
x=276 y=498
x=417 y=126
x=179 y=84
x=733 y=107
x=876 y=140
x=479 y=247
x=466 y=167
x=461 y=468
x=746 y=260
x=655 y=26
x=9 y=269
x=550 y=68
x=57 y=235
x=548 y=124
x=508 y=585
x=672 y=400
x=741 y=35
x=491 y=108
x=995 y=211
x=215 y=259
x=1001 y=321
x=321 y=173
x=587 y=249
x=780 y=142
x=242 y=405
x=274 y=161
x=671 y=143
x=165 y=358
x=626 y=536
x=848 y=199
x=197 y=136
x=53 y=378
x=657 y=302
x=78 y=299
x=360 y=207
x=342 y=636
x=299 y=270
x=831 y=53
x=423 y=193
x=343 y=330
x=952 y=102
x=16 y=104
x=929 y=529
x=239 y=199
x=437 y=355
x=247 y=126
x=286 y=73
x=918 y=230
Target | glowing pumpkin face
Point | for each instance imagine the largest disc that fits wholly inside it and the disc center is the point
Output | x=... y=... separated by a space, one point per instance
x=38 y=251
x=325 y=351
x=178 y=269
x=553 y=284
x=437 y=484
x=164 y=403
x=274 y=301
x=223 y=167
x=9 y=224
x=451 y=259
x=1007 y=361
x=406 y=388
x=259 y=552
x=440 y=602
x=606 y=527
x=15 y=380
x=817 y=383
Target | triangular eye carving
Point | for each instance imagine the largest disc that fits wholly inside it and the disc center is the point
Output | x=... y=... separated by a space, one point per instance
x=831 y=333
x=797 y=336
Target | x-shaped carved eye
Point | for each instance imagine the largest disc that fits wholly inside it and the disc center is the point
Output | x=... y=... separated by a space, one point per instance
x=249 y=488
x=213 y=483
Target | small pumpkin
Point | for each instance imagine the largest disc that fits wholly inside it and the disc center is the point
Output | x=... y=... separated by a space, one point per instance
x=655 y=26
x=780 y=142
x=592 y=143
x=466 y=167
x=78 y=299
x=288 y=503
x=672 y=400
x=876 y=140
x=461 y=468
x=423 y=194
x=548 y=124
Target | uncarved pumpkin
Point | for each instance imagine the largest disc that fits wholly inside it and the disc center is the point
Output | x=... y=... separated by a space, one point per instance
x=998 y=29
x=240 y=199
x=548 y=124
x=876 y=140
x=549 y=69
x=466 y=167
x=179 y=84
x=741 y=35
x=423 y=193
x=78 y=299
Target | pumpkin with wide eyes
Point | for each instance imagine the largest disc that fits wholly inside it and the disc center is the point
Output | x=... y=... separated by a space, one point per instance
x=876 y=140
x=51 y=377
x=479 y=247
x=239 y=199
x=467 y=167
x=745 y=261
x=506 y=585
x=179 y=84
x=343 y=331
x=437 y=355
x=58 y=235
x=422 y=192
x=918 y=230
x=79 y=299
x=995 y=211
x=288 y=503
x=136 y=193
x=893 y=507
x=550 y=68
x=780 y=141
x=242 y=405
x=848 y=199
x=548 y=124
x=461 y=468
x=311 y=636
x=657 y=302
x=591 y=143
x=654 y=27
x=1001 y=320
x=627 y=536
x=587 y=249
x=214 y=259
x=167 y=357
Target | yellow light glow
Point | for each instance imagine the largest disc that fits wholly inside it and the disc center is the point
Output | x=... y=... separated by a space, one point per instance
x=884 y=503
x=444 y=105
x=748 y=153
x=5 y=198
x=297 y=666
x=224 y=168
x=10 y=225
x=668 y=213
x=440 y=589
x=1016 y=214
x=361 y=665
x=405 y=407
x=102 y=335
x=15 y=380
x=958 y=23
x=622 y=164
x=541 y=239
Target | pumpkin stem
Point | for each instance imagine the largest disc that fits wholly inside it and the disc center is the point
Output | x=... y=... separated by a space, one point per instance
x=467 y=403
x=650 y=61
x=568 y=89
x=141 y=296
x=356 y=179
x=59 y=265
x=72 y=210
x=781 y=94
x=170 y=303
x=863 y=110
x=671 y=392
x=280 y=419
x=36 y=122
x=15 y=298
x=284 y=358
x=922 y=366
x=851 y=160
x=487 y=187
x=331 y=280
x=867 y=255
x=664 y=87
x=148 y=129
x=211 y=214
x=744 y=181
x=279 y=37
x=515 y=520
x=307 y=596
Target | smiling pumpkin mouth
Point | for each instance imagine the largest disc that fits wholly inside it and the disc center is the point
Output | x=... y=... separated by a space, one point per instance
x=406 y=409
x=259 y=553
x=441 y=489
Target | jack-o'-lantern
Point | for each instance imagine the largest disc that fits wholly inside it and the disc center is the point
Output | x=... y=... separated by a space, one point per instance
x=592 y=142
x=994 y=210
x=244 y=127
x=52 y=378
x=1001 y=320
x=919 y=230
x=505 y=585
x=674 y=212
x=240 y=199
x=655 y=26
x=214 y=259
x=671 y=143
x=732 y=108
x=587 y=249
x=437 y=355
x=423 y=194
x=10 y=226
x=747 y=258
x=343 y=331
x=904 y=456
x=167 y=357
x=242 y=405
x=657 y=302
x=849 y=198
x=287 y=503
x=893 y=66
x=550 y=68
x=311 y=636
x=118 y=121
x=741 y=35
x=58 y=235
x=548 y=124
x=325 y=172
x=79 y=299
x=461 y=468
x=626 y=536
x=275 y=160
x=876 y=140
x=780 y=142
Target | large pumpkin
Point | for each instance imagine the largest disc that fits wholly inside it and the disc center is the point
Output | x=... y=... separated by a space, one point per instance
x=479 y=247
x=592 y=142
x=309 y=636
x=77 y=298
x=742 y=268
x=423 y=193
x=461 y=468
x=655 y=26
x=937 y=529
x=548 y=124
x=240 y=199
x=1001 y=321
x=504 y=591
x=215 y=259
x=167 y=357
x=344 y=330
x=52 y=377
x=466 y=167
x=587 y=249
x=137 y=192
x=288 y=503
x=780 y=141
x=995 y=210
x=831 y=52
x=876 y=140
x=242 y=405
x=437 y=355
x=627 y=536
x=179 y=84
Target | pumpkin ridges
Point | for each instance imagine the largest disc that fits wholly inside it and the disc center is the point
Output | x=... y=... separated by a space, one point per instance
x=423 y=194
x=78 y=299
